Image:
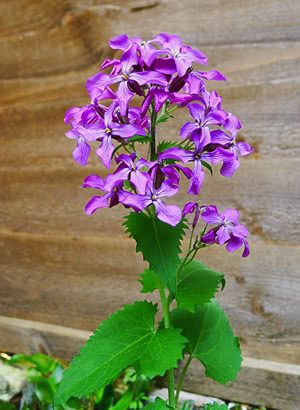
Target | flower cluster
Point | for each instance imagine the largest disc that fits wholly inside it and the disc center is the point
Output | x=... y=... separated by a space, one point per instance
x=130 y=96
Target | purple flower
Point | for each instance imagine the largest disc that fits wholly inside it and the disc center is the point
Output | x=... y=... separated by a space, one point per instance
x=112 y=194
x=203 y=117
x=170 y=214
x=128 y=79
x=196 y=157
x=130 y=170
x=110 y=129
x=182 y=55
x=227 y=231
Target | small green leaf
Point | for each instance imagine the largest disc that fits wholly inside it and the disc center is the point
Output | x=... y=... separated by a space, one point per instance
x=124 y=402
x=143 y=139
x=118 y=343
x=163 y=353
x=215 y=406
x=163 y=145
x=149 y=281
x=197 y=284
x=159 y=404
x=207 y=166
x=159 y=243
x=211 y=340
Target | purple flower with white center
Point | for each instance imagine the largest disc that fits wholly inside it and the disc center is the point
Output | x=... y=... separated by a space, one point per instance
x=170 y=214
x=130 y=170
x=227 y=231
x=198 y=130
x=112 y=194
x=196 y=157
x=182 y=55
x=111 y=129
x=127 y=79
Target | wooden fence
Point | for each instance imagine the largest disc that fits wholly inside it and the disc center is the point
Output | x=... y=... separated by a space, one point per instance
x=62 y=272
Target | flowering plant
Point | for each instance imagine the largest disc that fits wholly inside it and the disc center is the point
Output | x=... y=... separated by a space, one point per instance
x=130 y=96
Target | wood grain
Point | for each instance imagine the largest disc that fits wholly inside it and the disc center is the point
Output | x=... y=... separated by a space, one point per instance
x=58 y=266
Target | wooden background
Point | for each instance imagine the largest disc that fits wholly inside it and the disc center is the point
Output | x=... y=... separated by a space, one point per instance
x=63 y=272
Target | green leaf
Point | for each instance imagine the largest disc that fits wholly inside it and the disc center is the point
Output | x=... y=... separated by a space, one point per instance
x=163 y=145
x=149 y=281
x=124 y=402
x=159 y=404
x=45 y=364
x=159 y=243
x=211 y=340
x=163 y=353
x=215 y=406
x=143 y=139
x=118 y=343
x=197 y=284
x=207 y=166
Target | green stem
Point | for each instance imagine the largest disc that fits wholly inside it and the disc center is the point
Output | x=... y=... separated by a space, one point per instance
x=170 y=374
x=181 y=380
x=153 y=134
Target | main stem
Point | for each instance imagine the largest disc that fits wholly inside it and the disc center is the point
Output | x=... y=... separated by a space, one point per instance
x=170 y=374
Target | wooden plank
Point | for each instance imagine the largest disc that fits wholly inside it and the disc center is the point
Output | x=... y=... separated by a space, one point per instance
x=78 y=281
x=39 y=200
x=260 y=382
x=73 y=36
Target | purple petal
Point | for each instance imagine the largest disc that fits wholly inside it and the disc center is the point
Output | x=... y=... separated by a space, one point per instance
x=127 y=159
x=196 y=111
x=246 y=251
x=240 y=231
x=189 y=208
x=124 y=96
x=105 y=151
x=211 y=215
x=129 y=59
x=209 y=237
x=244 y=148
x=187 y=129
x=148 y=77
x=223 y=235
x=234 y=244
x=81 y=152
x=95 y=203
x=216 y=117
x=128 y=130
x=194 y=55
x=231 y=215
x=164 y=66
x=166 y=189
x=139 y=180
x=232 y=123
x=229 y=167
x=120 y=42
x=212 y=75
x=196 y=179
x=93 y=181
x=170 y=214
x=96 y=84
x=220 y=137
x=219 y=154
x=172 y=41
x=182 y=65
x=136 y=201
x=176 y=153
x=201 y=137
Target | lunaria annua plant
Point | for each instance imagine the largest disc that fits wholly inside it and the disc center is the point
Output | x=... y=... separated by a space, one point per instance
x=130 y=96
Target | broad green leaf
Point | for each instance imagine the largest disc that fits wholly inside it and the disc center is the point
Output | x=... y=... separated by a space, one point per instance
x=197 y=284
x=159 y=404
x=215 y=406
x=163 y=353
x=211 y=340
x=118 y=343
x=149 y=281
x=159 y=243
